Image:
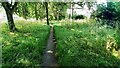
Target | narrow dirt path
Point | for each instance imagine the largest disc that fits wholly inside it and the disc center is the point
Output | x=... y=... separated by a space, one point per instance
x=49 y=59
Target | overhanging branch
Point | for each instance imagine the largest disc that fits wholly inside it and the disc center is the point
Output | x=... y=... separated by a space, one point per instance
x=14 y=6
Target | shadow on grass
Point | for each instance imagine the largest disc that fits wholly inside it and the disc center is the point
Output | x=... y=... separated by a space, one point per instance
x=24 y=48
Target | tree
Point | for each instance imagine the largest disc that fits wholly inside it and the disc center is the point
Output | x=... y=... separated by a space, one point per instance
x=36 y=11
x=106 y=13
x=46 y=6
x=9 y=8
x=57 y=10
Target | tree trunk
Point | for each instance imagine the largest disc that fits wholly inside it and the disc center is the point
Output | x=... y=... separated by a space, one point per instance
x=11 y=21
x=9 y=12
x=58 y=16
x=36 y=13
x=46 y=5
x=24 y=10
x=72 y=10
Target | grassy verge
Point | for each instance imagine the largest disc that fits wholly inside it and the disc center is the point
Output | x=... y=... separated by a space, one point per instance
x=24 y=48
x=85 y=45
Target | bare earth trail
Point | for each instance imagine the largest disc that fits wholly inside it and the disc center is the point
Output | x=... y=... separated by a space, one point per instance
x=49 y=59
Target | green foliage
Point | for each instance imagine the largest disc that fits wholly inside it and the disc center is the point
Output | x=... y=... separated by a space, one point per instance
x=117 y=37
x=22 y=10
x=24 y=48
x=105 y=12
x=31 y=10
x=84 y=45
x=110 y=15
x=118 y=41
x=117 y=5
x=109 y=11
x=57 y=10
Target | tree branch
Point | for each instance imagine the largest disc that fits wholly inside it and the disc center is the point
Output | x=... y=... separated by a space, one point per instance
x=14 y=6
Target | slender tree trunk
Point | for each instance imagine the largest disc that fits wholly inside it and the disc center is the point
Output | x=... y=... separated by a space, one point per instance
x=36 y=13
x=24 y=11
x=46 y=5
x=55 y=14
x=58 y=16
x=72 y=10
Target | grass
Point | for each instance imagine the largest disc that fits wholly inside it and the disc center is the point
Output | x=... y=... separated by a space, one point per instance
x=85 y=44
x=24 y=48
x=78 y=44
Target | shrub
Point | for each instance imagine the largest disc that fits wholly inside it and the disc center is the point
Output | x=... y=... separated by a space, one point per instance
x=76 y=17
x=108 y=13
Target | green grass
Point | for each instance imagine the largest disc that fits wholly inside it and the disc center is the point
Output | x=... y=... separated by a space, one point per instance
x=85 y=45
x=24 y=48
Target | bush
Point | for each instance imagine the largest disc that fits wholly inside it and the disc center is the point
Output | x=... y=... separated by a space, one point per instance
x=109 y=13
x=76 y=17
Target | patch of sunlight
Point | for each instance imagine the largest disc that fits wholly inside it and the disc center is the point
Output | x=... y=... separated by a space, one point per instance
x=15 y=35
x=96 y=38
x=92 y=53
x=36 y=39
x=19 y=27
x=85 y=38
x=1 y=38
x=30 y=37
x=89 y=43
x=65 y=41
x=12 y=33
x=71 y=37
x=27 y=34
x=17 y=40
x=116 y=53
x=79 y=31
x=69 y=51
x=73 y=29
x=109 y=36
x=8 y=43
x=23 y=41
x=76 y=30
x=60 y=24
x=23 y=61
x=110 y=44
x=49 y=51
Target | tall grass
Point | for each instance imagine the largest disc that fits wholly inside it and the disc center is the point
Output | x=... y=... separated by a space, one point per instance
x=85 y=44
x=24 y=48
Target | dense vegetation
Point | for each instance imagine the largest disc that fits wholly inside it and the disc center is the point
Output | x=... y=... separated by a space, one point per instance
x=108 y=13
x=24 y=48
x=84 y=44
